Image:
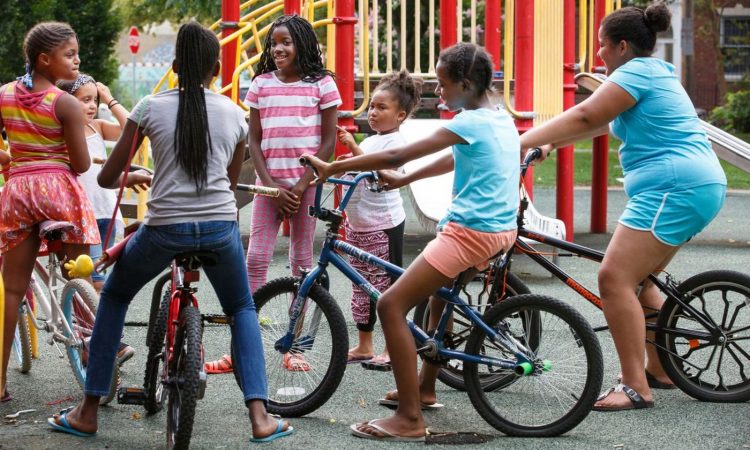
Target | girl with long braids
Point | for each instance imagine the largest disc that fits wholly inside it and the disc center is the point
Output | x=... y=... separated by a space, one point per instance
x=293 y=101
x=48 y=150
x=198 y=142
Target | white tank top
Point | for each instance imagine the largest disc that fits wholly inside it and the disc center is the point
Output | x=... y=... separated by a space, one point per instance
x=102 y=200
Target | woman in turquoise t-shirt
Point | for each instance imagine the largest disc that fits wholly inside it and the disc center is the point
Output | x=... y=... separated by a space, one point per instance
x=673 y=180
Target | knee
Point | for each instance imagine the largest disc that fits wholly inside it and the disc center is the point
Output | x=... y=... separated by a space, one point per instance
x=386 y=307
x=610 y=281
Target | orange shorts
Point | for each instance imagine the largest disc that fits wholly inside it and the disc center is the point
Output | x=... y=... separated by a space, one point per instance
x=457 y=248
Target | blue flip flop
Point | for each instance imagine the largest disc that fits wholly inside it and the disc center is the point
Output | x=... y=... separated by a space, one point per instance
x=276 y=434
x=65 y=427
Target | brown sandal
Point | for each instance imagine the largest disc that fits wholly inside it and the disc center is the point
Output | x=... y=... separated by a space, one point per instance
x=636 y=401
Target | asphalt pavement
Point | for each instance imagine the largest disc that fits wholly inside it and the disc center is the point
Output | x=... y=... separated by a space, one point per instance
x=677 y=421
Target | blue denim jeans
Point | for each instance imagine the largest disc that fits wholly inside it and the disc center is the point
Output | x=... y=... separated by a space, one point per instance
x=145 y=256
x=95 y=251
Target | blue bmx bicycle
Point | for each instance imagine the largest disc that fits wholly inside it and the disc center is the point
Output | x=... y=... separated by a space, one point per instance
x=532 y=365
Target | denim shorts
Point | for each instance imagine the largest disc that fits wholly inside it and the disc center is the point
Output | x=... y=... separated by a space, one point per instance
x=676 y=216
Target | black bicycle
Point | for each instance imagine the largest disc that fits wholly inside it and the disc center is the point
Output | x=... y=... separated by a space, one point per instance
x=702 y=332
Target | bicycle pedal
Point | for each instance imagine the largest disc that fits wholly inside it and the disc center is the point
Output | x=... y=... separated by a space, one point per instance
x=217 y=319
x=131 y=396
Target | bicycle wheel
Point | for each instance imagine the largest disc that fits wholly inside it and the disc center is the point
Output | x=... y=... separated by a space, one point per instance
x=302 y=380
x=710 y=371
x=567 y=375
x=157 y=329
x=453 y=374
x=21 y=347
x=156 y=300
x=184 y=371
x=78 y=303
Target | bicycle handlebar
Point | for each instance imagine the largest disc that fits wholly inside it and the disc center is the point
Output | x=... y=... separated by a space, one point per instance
x=531 y=155
x=251 y=188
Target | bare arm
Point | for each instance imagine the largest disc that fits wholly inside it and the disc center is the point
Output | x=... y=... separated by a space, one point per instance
x=584 y=119
x=347 y=140
x=4 y=158
x=235 y=166
x=111 y=131
x=69 y=112
x=115 y=164
x=256 y=154
x=393 y=158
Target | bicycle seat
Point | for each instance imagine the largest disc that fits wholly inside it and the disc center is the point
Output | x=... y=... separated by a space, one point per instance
x=50 y=229
x=193 y=260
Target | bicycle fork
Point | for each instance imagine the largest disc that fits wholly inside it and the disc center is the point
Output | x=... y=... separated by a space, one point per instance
x=294 y=338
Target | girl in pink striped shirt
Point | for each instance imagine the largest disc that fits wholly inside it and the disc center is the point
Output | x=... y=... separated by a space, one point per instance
x=292 y=101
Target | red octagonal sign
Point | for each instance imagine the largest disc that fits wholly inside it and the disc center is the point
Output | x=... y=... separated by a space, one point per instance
x=134 y=40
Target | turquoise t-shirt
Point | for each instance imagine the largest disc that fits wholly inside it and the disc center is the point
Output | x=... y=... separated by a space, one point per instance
x=485 y=183
x=664 y=146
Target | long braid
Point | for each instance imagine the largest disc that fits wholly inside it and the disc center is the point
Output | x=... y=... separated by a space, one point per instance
x=309 y=60
x=196 y=54
x=43 y=38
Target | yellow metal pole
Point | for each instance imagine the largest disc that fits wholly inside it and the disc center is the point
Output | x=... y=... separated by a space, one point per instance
x=2 y=327
x=417 y=37
x=473 y=30
x=375 y=41
x=431 y=38
x=402 y=64
x=389 y=36
x=331 y=39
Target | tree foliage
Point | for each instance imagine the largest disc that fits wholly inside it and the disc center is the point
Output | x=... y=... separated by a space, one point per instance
x=95 y=21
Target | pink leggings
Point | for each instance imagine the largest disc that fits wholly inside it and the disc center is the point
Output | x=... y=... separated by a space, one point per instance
x=264 y=228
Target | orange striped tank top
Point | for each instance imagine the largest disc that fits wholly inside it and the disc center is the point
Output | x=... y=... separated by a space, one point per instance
x=35 y=134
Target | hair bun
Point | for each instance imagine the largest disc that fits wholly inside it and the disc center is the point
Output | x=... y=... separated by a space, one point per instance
x=658 y=17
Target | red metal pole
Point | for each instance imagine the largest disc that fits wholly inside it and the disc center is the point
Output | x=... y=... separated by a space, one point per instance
x=524 y=68
x=345 y=21
x=492 y=36
x=448 y=33
x=565 y=159
x=292 y=6
x=600 y=156
x=230 y=15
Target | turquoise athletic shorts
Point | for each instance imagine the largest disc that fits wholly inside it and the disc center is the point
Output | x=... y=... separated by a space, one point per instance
x=676 y=216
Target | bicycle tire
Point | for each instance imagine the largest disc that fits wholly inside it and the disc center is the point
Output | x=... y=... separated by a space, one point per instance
x=297 y=393
x=21 y=347
x=157 y=295
x=452 y=375
x=152 y=385
x=729 y=378
x=75 y=294
x=566 y=341
x=185 y=367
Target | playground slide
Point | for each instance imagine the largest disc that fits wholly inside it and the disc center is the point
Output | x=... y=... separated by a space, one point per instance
x=730 y=148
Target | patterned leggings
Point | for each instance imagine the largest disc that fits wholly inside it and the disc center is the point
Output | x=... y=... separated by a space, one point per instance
x=386 y=245
x=264 y=228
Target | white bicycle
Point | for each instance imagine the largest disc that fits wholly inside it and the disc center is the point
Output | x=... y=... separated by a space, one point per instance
x=64 y=309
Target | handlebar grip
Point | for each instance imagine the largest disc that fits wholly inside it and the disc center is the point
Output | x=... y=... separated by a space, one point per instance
x=258 y=190
x=533 y=154
x=97 y=160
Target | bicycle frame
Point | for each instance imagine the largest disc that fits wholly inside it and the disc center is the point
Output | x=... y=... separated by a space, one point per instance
x=432 y=346
x=50 y=308
x=668 y=287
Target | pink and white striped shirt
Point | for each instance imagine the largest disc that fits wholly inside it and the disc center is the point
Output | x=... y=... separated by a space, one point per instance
x=290 y=116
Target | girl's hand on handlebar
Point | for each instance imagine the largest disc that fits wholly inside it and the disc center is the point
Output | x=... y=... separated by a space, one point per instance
x=321 y=169
x=546 y=150
x=138 y=180
x=391 y=179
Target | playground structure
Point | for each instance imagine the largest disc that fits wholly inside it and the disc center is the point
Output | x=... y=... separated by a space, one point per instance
x=537 y=47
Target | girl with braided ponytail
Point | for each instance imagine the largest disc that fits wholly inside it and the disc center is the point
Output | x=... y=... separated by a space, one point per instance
x=198 y=143
x=44 y=126
x=481 y=221
x=673 y=179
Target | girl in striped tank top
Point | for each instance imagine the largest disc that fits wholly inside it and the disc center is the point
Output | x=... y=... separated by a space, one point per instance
x=48 y=149
x=292 y=101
